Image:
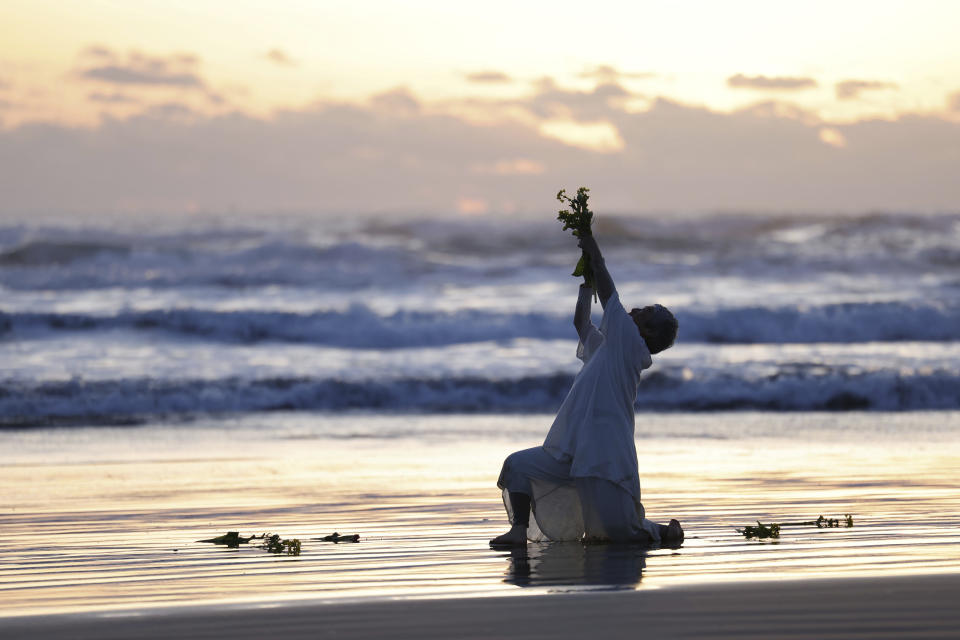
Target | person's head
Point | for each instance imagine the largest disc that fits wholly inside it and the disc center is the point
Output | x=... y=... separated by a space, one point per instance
x=657 y=326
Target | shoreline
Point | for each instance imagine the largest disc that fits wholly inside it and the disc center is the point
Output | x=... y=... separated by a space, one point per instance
x=90 y=545
x=875 y=607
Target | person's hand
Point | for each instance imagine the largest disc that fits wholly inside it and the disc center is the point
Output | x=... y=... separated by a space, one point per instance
x=588 y=244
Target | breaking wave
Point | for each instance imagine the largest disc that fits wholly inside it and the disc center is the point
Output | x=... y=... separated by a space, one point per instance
x=811 y=388
x=360 y=327
x=345 y=255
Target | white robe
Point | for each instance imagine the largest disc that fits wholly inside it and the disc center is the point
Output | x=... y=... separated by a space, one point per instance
x=594 y=426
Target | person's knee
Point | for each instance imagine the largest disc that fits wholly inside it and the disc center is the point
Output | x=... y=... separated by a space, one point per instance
x=517 y=463
x=512 y=476
x=506 y=468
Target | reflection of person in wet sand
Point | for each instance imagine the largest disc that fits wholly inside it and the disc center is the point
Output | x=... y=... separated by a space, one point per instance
x=610 y=566
x=583 y=482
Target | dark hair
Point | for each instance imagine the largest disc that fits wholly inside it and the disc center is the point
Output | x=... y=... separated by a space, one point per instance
x=663 y=330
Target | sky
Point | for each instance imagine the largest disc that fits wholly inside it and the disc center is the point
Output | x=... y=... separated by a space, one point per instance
x=431 y=107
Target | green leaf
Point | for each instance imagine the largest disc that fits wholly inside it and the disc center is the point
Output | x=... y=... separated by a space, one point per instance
x=581 y=267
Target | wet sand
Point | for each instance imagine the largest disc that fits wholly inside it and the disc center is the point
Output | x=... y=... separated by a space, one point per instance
x=895 y=607
x=105 y=522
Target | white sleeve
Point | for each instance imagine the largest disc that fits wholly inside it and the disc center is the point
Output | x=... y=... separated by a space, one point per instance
x=586 y=348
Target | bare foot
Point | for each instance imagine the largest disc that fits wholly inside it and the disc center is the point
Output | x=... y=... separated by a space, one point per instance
x=517 y=536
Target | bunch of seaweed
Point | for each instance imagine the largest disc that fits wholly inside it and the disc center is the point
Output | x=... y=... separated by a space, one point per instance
x=336 y=538
x=772 y=530
x=761 y=531
x=270 y=542
x=231 y=539
x=274 y=543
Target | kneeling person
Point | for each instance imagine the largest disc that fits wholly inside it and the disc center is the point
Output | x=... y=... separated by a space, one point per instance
x=583 y=482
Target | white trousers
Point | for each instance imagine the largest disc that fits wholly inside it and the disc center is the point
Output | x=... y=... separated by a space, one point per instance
x=567 y=508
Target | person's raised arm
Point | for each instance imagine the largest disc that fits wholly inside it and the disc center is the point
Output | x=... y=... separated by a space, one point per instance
x=581 y=317
x=601 y=276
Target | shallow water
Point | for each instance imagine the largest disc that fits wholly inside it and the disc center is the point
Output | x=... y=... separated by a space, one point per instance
x=107 y=518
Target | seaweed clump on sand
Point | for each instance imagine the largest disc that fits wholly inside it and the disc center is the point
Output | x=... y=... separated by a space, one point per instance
x=761 y=531
x=231 y=539
x=336 y=538
x=270 y=542
x=274 y=543
x=772 y=530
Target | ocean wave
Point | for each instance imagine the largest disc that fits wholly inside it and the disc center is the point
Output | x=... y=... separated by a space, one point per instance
x=812 y=388
x=842 y=322
x=360 y=327
x=42 y=253
x=345 y=255
x=87 y=264
x=357 y=327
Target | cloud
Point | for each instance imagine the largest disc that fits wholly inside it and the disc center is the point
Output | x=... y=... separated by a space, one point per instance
x=488 y=77
x=472 y=206
x=280 y=57
x=765 y=83
x=851 y=89
x=781 y=109
x=393 y=154
x=126 y=75
x=4 y=85
x=111 y=98
x=953 y=102
x=551 y=101
x=832 y=137
x=512 y=167
x=607 y=74
x=5 y=104
x=397 y=101
x=170 y=111
x=178 y=70
x=602 y=137
x=98 y=51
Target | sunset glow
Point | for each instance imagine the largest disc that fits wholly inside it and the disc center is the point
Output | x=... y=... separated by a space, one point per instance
x=552 y=71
